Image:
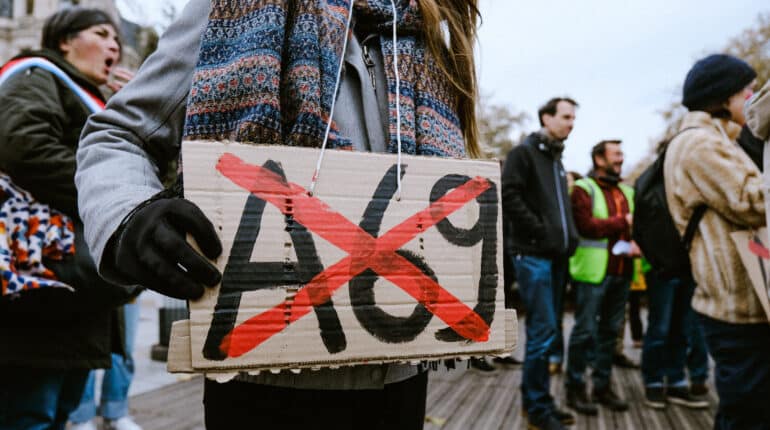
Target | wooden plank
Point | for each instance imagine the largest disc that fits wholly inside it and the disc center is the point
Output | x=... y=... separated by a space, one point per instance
x=446 y=407
x=459 y=399
x=473 y=406
x=174 y=407
x=500 y=400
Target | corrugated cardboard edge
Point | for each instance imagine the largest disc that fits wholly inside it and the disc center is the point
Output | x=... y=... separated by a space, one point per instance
x=179 y=349
x=180 y=352
x=511 y=332
x=740 y=239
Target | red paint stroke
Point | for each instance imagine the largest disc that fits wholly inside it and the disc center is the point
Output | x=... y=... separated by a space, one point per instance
x=756 y=248
x=365 y=252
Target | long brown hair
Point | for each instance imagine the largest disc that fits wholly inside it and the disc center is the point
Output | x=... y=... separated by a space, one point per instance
x=457 y=65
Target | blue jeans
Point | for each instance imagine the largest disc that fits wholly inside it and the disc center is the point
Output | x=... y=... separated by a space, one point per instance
x=116 y=380
x=697 y=351
x=540 y=282
x=556 y=353
x=742 y=375
x=664 y=353
x=39 y=399
x=599 y=313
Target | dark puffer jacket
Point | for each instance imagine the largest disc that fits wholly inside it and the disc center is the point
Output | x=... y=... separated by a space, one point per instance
x=40 y=126
x=536 y=201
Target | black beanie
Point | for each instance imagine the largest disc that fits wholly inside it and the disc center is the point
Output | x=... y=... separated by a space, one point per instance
x=70 y=21
x=714 y=79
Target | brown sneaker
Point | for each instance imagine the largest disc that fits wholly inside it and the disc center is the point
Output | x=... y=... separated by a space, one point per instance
x=554 y=368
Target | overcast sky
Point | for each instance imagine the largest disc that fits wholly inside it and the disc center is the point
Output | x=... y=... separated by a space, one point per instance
x=623 y=61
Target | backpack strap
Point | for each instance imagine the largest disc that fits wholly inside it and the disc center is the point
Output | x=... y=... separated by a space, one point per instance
x=692 y=225
x=697 y=215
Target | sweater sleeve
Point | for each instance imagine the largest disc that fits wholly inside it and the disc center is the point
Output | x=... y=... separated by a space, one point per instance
x=727 y=181
x=516 y=170
x=32 y=151
x=122 y=147
x=587 y=225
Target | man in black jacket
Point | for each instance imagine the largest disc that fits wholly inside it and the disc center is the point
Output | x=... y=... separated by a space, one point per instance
x=536 y=201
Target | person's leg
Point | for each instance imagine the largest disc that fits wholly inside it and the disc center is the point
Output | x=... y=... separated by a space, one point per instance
x=697 y=354
x=656 y=351
x=677 y=389
x=559 y=275
x=534 y=277
x=611 y=316
x=582 y=337
x=238 y=404
x=634 y=316
x=742 y=375
x=86 y=409
x=621 y=336
x=404 y=404
x=117 y=380
x=39 y=399
x=71 y=395
x=676 y=343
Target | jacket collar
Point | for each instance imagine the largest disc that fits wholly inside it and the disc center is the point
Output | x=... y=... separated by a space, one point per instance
x=704 y=120
x=547 y=144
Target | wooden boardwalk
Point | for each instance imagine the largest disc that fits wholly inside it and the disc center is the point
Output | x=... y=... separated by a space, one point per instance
x=457 y=400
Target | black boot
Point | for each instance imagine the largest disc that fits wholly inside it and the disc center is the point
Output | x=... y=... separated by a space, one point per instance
x=609 y=399
x=578 y=400
x=621 y=360
x=481 y=365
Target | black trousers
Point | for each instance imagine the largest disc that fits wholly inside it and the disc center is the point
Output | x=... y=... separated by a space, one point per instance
x=742 y=374
x=242 y=405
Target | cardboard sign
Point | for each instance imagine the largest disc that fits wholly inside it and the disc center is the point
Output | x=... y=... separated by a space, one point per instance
x=753 y=249
x=349 y=275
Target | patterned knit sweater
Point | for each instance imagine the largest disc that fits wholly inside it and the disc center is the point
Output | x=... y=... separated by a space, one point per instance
x=702 y=167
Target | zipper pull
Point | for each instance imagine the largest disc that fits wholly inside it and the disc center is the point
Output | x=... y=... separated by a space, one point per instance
x=369 y=63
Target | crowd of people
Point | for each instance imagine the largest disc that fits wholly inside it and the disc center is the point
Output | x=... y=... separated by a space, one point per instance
x=582 y=235
x=100 y=221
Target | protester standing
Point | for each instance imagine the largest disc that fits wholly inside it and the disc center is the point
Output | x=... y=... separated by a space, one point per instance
x=536 y=201
x=51 y=337
x=705 y=166
x=603 y=208
x=290 y=103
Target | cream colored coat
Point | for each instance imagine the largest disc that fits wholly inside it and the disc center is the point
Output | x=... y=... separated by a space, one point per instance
x=703 y=166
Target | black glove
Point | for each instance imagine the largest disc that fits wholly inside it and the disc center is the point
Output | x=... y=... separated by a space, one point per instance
x=152 y=249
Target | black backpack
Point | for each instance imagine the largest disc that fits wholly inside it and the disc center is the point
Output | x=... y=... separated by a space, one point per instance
x=654 y=230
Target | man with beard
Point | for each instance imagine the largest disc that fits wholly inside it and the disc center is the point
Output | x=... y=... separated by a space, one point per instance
x=601 y=267
x=543 y=236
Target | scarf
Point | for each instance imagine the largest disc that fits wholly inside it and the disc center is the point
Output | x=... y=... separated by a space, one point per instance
x=267 y=70
x=29 y=232
x=552 y=145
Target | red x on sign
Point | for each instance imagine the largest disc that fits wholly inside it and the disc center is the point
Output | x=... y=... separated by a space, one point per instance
x=364 y=252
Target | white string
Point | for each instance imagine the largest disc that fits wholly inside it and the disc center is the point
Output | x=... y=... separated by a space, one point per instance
x=398 y=98
x=317 y=172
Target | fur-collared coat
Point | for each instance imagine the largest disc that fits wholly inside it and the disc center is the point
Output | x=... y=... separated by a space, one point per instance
x=706 y=166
